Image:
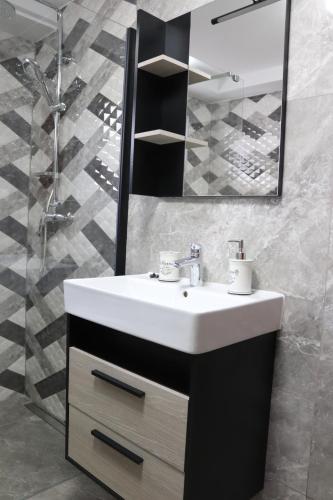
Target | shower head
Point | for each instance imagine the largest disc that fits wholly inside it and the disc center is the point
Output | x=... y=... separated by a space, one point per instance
x=7 y=10
x=34 y=73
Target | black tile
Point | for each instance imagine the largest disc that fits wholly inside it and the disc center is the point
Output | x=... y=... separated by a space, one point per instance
x=229 y=191
x=257 y=98
x=16 y=177
x=252 y=130
x=13 y=332
x=17 y=124
x=13 y=281
x=52 y=384
x=100 y=240
x=75 y=35
x=233 y=120
x=72 y=148
x=101 y=173
x=57 y=275
x=275 y=154
x=71 y=205
x=276 y=115
x=192 y=158
x=52 y=332
x=106 y=110
x=73 y=91
x=12 y=228
x=28 y=352
x=188 y=191
x=111 y=47
x=28 y=303
x=12 y=380
x=209 y=177
x=48 y=125
x=212 y=142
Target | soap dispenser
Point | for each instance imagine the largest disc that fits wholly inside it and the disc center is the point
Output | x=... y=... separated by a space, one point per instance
x=240 y=271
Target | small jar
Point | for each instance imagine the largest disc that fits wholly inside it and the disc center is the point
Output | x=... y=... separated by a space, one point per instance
x=168 y=272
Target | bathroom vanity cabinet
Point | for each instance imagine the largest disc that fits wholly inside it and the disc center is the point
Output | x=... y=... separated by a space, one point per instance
x=152 y=423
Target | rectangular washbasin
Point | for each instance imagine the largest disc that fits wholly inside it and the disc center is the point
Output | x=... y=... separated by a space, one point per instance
x=189 y=319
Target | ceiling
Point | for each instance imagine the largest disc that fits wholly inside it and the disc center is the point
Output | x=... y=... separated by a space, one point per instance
x=251 y=45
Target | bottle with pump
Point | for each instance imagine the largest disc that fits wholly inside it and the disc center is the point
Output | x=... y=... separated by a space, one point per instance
x=240 y=271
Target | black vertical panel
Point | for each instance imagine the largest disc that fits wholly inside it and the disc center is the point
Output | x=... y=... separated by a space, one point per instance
x=151 y=31
x=126 y=152
x=177 y=38
x=148 y=102
x=174 y=103
x=158 y=170
x=158 y=37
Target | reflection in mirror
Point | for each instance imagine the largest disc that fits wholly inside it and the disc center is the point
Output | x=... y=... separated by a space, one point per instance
x=236 y=100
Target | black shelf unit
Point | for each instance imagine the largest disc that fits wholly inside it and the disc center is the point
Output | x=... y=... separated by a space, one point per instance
x=161 y=101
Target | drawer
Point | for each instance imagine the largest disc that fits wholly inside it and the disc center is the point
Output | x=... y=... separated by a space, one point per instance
x=144 y=412
x=129 y=471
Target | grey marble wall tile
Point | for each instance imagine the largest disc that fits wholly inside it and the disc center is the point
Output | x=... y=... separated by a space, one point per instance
x=320 y=486
x=296 y=366
x=311 y=61
x=289 y=444
x=327 y=335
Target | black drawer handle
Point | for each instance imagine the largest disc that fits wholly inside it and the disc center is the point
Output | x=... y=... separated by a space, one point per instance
x=118 y=447
x=118 y=383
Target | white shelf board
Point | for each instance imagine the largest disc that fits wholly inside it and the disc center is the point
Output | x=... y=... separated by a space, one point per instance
x=160 y=137
x=191 y=142
x=163 y=66
x=197 y=76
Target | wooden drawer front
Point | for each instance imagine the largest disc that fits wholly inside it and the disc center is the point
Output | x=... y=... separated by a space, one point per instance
x=151 y=479
x=155 y=421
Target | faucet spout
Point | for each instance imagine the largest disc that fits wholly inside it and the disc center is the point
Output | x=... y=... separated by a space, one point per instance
x=194 y=261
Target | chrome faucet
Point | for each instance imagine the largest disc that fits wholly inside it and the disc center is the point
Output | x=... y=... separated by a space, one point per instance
x=195 y=263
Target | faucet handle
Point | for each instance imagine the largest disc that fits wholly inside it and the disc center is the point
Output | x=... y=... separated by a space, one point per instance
x=195 y=250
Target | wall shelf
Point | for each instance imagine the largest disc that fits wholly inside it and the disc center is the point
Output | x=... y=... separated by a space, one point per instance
x=197 y=76
x=160 y=106
x=159 y=137
x=162 y=137
x=163 y=66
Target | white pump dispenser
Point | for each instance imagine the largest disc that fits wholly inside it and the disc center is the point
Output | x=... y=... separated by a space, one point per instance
x=240 y=271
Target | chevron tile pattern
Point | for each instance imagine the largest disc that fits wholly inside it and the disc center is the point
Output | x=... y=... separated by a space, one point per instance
x=242 y=156
x=16 y=103
x=90 y=139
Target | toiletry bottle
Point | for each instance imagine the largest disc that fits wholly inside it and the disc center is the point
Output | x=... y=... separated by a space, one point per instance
x=240 y=271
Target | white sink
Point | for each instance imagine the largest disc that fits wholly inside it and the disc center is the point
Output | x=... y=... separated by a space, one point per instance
x=192 y=320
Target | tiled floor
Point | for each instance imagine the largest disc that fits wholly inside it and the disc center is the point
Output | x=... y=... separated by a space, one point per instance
x=32 y=463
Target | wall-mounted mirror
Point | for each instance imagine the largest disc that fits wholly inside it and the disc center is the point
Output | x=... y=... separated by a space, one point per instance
x=236 y=98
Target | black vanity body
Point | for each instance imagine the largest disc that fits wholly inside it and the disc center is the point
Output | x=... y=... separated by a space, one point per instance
x=229 y=393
